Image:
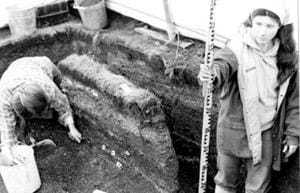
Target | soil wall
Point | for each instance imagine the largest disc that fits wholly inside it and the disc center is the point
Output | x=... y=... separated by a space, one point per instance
x=129 y=116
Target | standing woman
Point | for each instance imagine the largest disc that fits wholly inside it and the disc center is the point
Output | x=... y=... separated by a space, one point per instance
x=257 y=77
x=28 y=88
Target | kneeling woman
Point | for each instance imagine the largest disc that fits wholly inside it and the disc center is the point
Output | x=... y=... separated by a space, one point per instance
x=27 y=88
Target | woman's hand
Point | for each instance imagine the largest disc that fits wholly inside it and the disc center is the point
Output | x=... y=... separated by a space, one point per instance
x=10 y=158
x=205 y=74
x=74 y=134
x=288 y=150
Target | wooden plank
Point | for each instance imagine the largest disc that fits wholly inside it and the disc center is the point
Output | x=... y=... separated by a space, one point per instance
x=162 y=37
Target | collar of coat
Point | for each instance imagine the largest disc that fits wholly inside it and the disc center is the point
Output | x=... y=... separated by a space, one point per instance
x=245 y=36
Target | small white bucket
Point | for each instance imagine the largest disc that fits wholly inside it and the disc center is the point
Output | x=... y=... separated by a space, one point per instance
x=23 y=178
x=21 y=21
x=92 y=13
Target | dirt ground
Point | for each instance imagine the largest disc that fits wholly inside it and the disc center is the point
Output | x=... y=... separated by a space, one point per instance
x=81 y=168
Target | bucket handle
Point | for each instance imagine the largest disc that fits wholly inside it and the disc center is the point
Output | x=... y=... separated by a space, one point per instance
x=78 y=7
x=44 y=142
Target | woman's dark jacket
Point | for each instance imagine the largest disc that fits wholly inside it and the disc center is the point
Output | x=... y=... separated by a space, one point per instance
x=231 y=131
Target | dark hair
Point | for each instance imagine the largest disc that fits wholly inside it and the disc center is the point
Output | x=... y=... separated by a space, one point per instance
x=287 y=54
x=287 y=58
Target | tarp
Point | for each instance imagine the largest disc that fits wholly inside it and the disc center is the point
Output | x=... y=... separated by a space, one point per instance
x=191 y=17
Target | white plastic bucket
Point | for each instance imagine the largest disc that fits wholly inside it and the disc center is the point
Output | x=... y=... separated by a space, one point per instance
x=92 y=13
x=22 y=178
x=21 y=20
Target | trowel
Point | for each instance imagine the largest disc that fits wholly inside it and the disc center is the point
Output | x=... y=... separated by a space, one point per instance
x=43 y=143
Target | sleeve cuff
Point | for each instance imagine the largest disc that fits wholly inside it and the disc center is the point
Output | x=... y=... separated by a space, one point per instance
x=292 y=140
x=10 y=142
x=66 y=119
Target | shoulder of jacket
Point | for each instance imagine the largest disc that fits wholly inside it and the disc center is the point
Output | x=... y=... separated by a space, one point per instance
x=235 y=45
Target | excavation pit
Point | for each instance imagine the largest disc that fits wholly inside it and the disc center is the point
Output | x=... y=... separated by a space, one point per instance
x=133 y=145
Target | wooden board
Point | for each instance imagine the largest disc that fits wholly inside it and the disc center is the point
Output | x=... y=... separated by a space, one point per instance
x=162 y=37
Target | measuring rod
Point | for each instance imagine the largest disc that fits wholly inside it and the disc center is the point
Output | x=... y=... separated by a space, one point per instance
x=207 y=93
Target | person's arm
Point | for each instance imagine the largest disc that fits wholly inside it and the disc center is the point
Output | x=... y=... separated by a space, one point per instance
x=51 y=69
x=8 y=136
x=7 y=124
x=292 y=121
x=57 y=78
x=60 y=103
x=224 y=65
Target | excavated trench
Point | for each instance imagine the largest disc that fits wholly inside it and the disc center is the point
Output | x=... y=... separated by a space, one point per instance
x=141 y=126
